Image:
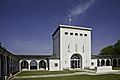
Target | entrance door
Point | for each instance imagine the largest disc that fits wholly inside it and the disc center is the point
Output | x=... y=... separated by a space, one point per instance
x=76 y=61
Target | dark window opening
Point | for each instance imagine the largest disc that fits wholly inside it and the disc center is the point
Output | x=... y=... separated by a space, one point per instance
x=66 y=33
x=71 y=33
x=76 y=34
x=81 y=34
x=56 y=64
x=92 y=63
x=85 y=34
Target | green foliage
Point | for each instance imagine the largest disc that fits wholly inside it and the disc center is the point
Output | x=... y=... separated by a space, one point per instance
x=117 y=47
x=111 y=50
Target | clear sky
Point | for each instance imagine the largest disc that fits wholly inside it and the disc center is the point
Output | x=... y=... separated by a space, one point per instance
x=26 y=26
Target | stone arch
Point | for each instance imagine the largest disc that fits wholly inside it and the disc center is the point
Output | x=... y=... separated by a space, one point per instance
x=107 y=62
x=102 y=62
x=114 y=62
x=33 y=64
x=24 y=65
x=76 y=61
x=42 y=64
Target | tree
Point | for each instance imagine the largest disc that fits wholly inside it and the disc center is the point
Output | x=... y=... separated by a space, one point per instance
x=111 y=50
x=117 y=47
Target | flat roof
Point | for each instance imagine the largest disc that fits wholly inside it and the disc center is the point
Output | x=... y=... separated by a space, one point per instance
x=73 y=27
x=37 y=57
x=76 y=27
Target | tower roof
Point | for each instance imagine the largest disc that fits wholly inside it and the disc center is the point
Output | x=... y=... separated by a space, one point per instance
x=73 y=27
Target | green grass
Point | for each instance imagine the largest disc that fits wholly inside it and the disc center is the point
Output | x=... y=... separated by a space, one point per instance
x=32 y=73
x=80 y=77
x=116 y=68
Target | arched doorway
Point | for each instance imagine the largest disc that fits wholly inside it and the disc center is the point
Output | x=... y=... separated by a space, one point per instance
x=119 y=62
x=42 y=64
x=102 y=62
x=114 y=62
x=76 y=61
x=107 y=62
x=33 y=64
x=24 y=65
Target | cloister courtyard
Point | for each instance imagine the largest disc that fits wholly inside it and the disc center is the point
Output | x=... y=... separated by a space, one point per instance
x=66 y=75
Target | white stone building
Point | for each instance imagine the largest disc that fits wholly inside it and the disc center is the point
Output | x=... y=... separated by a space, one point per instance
x=72 y=45
x=71 y=50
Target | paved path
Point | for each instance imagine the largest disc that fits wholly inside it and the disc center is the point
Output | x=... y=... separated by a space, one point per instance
x=68 y=74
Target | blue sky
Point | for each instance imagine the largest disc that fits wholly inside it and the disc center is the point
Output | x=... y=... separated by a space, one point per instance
x=26 y=26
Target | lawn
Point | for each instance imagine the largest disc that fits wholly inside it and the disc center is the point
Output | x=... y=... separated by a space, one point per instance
x=80 y=77
x=116 y=68
x=32 y=73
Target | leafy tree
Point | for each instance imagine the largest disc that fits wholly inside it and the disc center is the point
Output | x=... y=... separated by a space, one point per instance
x=117 y=47
x=111 y=50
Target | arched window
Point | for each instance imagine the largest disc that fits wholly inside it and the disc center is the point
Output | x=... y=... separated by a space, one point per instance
x=42 y=64
x=24 y=65
x=107 y=62
x=33 y=64
x=76 y=61
x=102 y=62
x=114 y=62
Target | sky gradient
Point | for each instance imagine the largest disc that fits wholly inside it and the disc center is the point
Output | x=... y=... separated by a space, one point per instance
x=26 y=26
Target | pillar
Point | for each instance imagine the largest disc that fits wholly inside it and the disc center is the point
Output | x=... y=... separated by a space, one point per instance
x=46 y=65
x=105 y=62
x=110 y=62
x=5 y=65
x=99 y=62
x=20 y=65
x=10 y=66
x=37 y=64
x=29 y=64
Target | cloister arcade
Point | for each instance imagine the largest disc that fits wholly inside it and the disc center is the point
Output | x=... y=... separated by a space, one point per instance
x=115 y=62
x=33 y=65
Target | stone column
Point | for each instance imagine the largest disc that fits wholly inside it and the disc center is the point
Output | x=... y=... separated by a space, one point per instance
x=105 y=62
x=46 y=65
x=110 y=62
x=10 y=66
x=5 y=65
x=20 y=65
x=29 y=64
x=37 y=64
x=99 y=62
